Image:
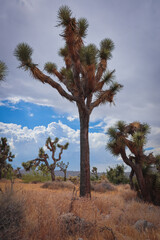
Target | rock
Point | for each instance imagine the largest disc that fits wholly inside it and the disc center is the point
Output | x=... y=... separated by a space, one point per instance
x=72 y=224
x=143 y=225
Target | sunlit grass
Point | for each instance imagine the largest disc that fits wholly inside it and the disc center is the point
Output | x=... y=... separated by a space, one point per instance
x=117 y=209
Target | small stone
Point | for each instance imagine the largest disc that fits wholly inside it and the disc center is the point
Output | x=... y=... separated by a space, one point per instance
x=143 y=225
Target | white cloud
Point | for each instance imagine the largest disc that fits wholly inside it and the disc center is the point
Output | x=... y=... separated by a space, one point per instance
x=72 y=118
x=31 y=114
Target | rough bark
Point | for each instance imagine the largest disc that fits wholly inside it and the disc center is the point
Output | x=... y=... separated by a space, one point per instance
x=65 y=176
x=52 y=175
x=85 y=188
x=131 y=179
x=141 y=182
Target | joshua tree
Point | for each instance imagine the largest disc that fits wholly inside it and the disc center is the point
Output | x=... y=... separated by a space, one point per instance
x=85 y=77
x=63 y=167
x=94 y=172
x=43 y=157
x=5 y=155
x=132 y=137
x=3 y=70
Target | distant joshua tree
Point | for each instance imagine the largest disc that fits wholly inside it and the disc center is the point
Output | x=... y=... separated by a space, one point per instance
x=94 y=172
x=5 y=155
x=84 y=76
x=63 y=167
x=43 y=157
x=133 y=137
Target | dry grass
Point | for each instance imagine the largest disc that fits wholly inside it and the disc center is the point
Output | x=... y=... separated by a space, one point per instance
x=118 y=210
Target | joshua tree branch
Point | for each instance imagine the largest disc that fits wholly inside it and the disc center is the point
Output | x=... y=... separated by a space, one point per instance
x=101 y=68
x=126 y=159
x=105 y=96
x=37 y=74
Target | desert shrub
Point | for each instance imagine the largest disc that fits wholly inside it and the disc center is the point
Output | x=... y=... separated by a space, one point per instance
x=74 y=179
x=116 y=175
x=103 y=186
x=59 y=178
x=58 y=185
x=35 y=177
x=11 y=216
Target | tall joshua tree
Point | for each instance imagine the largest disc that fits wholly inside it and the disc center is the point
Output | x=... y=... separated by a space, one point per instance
x=132 y=137
x=85 y=77
x=43 y=157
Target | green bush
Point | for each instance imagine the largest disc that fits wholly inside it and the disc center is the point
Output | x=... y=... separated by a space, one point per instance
x=35 y=176
x=116 y=175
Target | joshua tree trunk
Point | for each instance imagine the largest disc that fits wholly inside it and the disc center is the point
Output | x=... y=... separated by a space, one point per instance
x=131 y=179
x=85 y=189
x=65 y=175
x=52 y=175
x=141 y=182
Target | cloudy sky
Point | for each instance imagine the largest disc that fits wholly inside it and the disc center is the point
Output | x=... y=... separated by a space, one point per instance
x=31 y=111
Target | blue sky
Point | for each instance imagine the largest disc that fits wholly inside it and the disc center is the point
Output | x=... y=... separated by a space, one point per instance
x=31 y=111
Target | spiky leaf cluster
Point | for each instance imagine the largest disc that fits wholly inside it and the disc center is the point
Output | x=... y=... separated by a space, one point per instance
x=121 y=126
x=88 y=54
x=82 y=27
x=50 y=67
x=68 y=74
x=23 y=53
x=63 y=52
x=3 y=70
x=41 y=152
x=28 y=165
x=115 y=87
x=109 y=77
x=64 y=16
x=106 y=47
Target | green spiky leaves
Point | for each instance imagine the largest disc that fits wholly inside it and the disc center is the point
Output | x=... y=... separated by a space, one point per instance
x=63 y=52
x=115 y=87
x=41 y=152
x=82 y=27
x=23 y=53
x=68 y=74
x=3 y=70
x=139 y=139
x=121 y=126
x=109 y=77
x=106 y=47
x=50 y=67
x=88 y=54
x=64 y=16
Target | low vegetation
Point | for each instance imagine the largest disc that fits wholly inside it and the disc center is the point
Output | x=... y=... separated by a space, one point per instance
x=110 y=214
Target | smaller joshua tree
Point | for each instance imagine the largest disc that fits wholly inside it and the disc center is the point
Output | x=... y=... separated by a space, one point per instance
x=5 y=155
x=132 y=137
x=43 y=157
x=94 y=172
x=63 y=167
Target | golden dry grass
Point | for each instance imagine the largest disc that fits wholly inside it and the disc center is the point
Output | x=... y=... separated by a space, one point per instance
x=118 y=210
